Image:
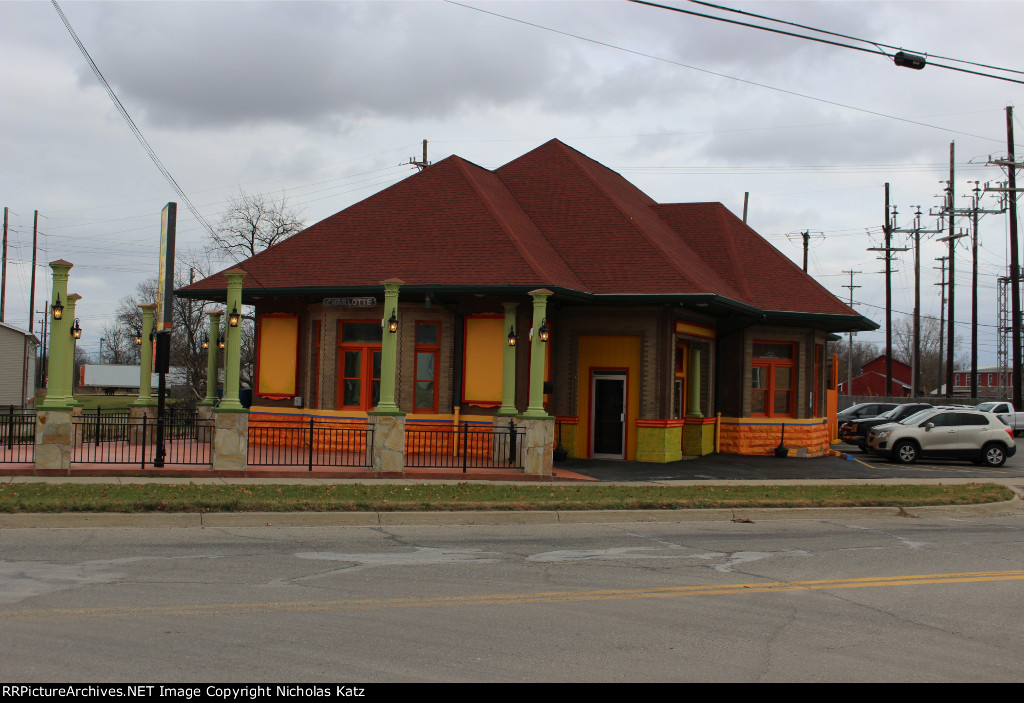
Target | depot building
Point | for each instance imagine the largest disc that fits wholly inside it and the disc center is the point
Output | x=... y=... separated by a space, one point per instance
x=668 y=328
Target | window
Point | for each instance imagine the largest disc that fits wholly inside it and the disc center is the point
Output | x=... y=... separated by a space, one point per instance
x=359 y=358
x=772 y=379
x=428 y=353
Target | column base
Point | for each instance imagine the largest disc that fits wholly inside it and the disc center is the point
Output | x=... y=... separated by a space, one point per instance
x=230 y=441
x=388 y=455
x=54 y=440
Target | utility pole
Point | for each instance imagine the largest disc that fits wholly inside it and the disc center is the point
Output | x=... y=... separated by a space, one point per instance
x=43 y=359
x=3 y=273
x=32 y=292
x=887 y=228
x=1011 y=166
x=942 y=321
x=806 y=234
x=420 y=164
x=849 y=351
x=952 y=242
x=916 y=231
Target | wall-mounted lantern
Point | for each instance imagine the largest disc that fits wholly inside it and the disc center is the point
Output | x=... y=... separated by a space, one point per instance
x=76 y=331
x=512 y=335
x=544 y=332
x=206 y=341
x=393 y=322
x=58 y=309
x=234 y=317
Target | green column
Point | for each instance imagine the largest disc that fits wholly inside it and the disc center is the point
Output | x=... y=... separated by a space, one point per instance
x=508 y=365
x=60 y=341
x=389 y=351
x=537 y=355
x=693 y=385
x=211 y=359
x=233 y=345
x=146 y=357
x=69 y=313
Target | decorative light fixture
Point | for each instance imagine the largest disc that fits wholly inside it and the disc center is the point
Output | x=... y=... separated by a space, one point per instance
x=512 y=335
x=76 y=331
x=58 y=309
x=138 y=340
x=393 y=322
x=234 y=316
x=544 y=332
x=206 y=341
x=220 y=343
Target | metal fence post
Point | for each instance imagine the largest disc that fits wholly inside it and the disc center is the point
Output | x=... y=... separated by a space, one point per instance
x=511 y=442
x=142 y=453
x=311 y=443
x=10 y=429
x=465 y=444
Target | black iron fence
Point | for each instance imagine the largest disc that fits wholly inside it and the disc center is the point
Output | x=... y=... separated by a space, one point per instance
x=116 y=438
x=309 y=442
x=17 y=436
x=464 y=446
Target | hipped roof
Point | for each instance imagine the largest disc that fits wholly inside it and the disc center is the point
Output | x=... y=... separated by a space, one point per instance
x=551 y=218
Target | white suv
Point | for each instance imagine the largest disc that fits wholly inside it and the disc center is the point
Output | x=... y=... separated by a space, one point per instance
x=952 y=433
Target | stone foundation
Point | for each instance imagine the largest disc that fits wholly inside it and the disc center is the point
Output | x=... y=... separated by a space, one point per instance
x=54 y=437
x=388 y=443
x=204 y=428
x=760 y=436
x=135 y=415
x=539 y=445
x=230 y=441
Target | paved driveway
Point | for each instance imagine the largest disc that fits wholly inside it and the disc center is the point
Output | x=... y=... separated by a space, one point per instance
x=854 y=464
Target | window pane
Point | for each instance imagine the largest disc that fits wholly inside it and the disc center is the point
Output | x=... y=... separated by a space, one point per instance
x=425 y=366
x=783 y=377
x=780 y=404
x=352 y=365
x=352 y=392
x=757 y=400
x=361 y=332
x=759 y=377
x=376 y=364
x=424 y=395
x=767 y=350
x=376 y=394
x=426 y=333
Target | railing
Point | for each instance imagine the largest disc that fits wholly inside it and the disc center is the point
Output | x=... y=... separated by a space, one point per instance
x=113 y=438
x=17 y=436
x=309 y=443
x=464 y=446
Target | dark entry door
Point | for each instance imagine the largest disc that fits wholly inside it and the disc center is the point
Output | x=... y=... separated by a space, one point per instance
x=608 y=428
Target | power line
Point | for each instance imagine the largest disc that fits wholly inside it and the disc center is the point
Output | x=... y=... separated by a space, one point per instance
x=720 y=75
x=847 y=36
x=878 y=52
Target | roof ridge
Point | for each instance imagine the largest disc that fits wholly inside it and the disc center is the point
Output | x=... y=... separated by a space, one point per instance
x=523 y=250
x=622 y=209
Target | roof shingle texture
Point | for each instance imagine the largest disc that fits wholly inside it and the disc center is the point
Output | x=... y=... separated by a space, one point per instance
x=551 y=218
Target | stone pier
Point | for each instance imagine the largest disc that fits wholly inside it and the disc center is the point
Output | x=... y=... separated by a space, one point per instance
x=230 y=441
x=54 y=439
x=388 y=443
x=539 y=445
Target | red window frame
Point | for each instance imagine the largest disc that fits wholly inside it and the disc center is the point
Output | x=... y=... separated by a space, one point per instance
x=769 y=368
x=425 y=348
x=364 y=372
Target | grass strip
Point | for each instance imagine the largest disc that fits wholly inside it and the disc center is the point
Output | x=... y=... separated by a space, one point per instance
x=190 y=497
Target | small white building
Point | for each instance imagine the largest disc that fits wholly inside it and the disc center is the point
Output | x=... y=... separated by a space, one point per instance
x=18 y=352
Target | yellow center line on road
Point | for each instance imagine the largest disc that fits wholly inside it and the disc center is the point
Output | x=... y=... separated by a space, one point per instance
x=503 y=598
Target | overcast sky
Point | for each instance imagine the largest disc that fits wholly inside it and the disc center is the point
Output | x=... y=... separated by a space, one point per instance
x=324 y=102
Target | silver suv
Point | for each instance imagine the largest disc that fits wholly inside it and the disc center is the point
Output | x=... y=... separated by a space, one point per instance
x=952 y=433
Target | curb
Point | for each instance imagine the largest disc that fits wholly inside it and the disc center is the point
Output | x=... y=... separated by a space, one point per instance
x=484 y=517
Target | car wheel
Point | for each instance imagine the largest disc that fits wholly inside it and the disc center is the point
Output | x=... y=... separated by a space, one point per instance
x=863 y=446
x=993 y=455
x=904 y=453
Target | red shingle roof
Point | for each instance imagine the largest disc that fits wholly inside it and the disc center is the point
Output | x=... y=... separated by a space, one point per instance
x=551 y=218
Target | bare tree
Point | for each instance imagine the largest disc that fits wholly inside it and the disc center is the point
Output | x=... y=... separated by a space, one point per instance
x=932 y=355
x=253 y=223
x=118 y=345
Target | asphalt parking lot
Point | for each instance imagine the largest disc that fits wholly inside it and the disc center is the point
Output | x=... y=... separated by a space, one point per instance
x=852 y=464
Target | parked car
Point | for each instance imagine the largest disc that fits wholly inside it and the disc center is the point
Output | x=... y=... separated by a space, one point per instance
x=855 y=412
x=1006 y=413
x=978 y=436
x=856 y=431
